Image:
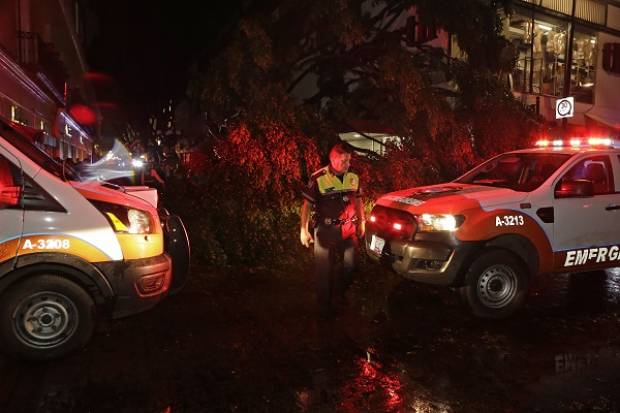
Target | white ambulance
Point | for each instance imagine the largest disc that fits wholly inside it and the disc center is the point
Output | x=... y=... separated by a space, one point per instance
x=554 y=208
x=72 y=251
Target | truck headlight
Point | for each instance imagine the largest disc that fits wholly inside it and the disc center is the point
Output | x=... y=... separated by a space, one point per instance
x=439 y=222
x=139 y=221
x=125 y=220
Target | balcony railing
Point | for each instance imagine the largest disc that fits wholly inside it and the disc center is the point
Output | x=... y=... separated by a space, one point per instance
x=593 y=11
x=39 y=56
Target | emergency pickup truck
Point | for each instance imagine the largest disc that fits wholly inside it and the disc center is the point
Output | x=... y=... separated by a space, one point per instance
x=72 y=251
x=554 y=208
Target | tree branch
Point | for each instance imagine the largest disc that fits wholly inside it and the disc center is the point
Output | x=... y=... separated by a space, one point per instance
x=300 y=77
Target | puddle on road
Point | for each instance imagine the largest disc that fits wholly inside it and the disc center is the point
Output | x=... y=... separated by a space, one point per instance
x=591 y=292
x=372 y=386
x=580 y=379
x=367 y=384
x=613 y=284
x=425 y=353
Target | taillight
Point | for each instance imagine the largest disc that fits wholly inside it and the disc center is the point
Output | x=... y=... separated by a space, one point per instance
x=391 y=223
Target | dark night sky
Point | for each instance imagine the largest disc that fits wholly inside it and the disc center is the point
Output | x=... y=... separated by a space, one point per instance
x=148 y=46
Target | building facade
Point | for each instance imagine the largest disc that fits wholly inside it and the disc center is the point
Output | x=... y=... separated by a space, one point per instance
x=561 y=47
x=568 y=48
x=42 y=69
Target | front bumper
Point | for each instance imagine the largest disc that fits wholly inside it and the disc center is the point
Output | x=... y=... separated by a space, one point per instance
x=138 y=284
x=437 y=259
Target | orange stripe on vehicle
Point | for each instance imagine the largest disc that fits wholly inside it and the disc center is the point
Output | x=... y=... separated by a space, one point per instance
x=136 y=246
x=35 y=244
x=8 y=250
x=483 y=225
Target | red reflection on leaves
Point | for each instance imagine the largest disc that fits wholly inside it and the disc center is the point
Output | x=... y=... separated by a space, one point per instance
x=271 y=154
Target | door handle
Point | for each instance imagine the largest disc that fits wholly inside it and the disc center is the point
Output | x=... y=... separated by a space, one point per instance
x=612 y=207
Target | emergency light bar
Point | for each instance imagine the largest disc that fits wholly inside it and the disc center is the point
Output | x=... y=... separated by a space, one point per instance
x=578 y=143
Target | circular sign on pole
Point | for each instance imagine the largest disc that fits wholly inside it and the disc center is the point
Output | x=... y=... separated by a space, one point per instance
x=565 y=108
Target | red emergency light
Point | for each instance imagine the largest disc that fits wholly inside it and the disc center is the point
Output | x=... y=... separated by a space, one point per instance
x=577 y=142
x=391 y=223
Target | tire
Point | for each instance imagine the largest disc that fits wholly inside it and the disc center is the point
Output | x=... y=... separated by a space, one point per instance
x=495 y=284
x=45 y=317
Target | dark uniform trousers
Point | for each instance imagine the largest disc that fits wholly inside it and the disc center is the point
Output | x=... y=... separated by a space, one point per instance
x=331 y=283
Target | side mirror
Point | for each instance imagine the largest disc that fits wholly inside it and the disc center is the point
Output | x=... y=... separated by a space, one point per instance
x=579 y=188
x=10 y=196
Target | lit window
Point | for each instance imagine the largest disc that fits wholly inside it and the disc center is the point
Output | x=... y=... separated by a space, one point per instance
x=583 y=69
x=539 y=47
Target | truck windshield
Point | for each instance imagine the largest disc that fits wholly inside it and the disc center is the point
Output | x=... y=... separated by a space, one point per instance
x=522 y=172
x=25 y=146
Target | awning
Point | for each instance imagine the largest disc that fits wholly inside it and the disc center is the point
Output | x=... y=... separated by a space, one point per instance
x=606 y=116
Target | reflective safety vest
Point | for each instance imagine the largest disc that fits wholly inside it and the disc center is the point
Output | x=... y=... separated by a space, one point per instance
x=333 y=197
x=329 y=183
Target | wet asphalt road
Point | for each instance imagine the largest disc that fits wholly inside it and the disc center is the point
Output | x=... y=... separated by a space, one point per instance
x=240 y=341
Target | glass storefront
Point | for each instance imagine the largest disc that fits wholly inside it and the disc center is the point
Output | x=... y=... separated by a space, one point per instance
x=541 y=43
x=583 y=70
x=541 y=63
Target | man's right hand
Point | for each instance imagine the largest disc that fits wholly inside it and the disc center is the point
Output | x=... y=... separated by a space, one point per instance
x=305 y=237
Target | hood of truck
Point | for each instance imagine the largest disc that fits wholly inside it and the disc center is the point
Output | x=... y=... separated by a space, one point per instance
x=450 y=198
x=96 y=191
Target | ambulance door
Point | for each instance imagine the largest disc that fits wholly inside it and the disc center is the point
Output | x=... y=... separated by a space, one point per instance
x=11 y=212
x=591 y=221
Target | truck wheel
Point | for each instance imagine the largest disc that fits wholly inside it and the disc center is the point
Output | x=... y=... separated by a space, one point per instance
x=45 y=317
x=495 y=284
x=177 y=246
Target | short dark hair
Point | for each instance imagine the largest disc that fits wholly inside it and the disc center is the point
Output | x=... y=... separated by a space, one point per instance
x=341 y=148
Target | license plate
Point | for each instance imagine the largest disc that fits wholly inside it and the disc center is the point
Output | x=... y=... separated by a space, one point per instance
x=377 y=244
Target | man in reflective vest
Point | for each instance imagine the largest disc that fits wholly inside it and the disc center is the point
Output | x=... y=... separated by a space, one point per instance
x=335 y=194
